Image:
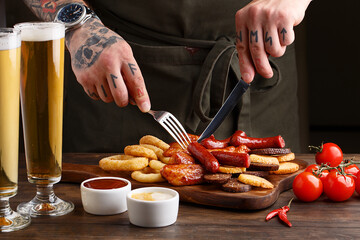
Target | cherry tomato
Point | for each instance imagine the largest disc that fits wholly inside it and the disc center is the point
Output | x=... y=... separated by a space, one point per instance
x=338 y=187
x=307 y=187
x=352 y=169
x=311 y=168
x=330 y=154
x=314 y=168
x=357 y=183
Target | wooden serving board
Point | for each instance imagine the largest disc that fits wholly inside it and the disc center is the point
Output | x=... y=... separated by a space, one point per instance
x=205 y=194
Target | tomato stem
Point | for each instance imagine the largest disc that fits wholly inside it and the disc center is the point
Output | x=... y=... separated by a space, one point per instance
x=340 y=169
x=317 y=149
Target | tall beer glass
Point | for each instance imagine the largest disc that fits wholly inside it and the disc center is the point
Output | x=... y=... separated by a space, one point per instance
x=41 y=91
x=9 y=128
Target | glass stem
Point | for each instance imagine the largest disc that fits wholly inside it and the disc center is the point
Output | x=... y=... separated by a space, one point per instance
x=45 y=193
x=5 y=209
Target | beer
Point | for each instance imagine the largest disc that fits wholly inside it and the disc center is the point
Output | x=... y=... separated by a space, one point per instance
x=41 y=90
x=9 y=114
x=9 y=128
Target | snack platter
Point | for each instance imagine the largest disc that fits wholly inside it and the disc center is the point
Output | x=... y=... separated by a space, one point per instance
x=203 y=194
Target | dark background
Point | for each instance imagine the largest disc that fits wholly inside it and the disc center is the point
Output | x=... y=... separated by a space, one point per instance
x=328 y=52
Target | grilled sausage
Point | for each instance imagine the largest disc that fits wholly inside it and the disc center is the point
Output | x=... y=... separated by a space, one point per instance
x=232 y=158
x=254 y=143
x=210 y=163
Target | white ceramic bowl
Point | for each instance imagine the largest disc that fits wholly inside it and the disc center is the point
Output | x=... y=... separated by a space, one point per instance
x=104 y=201
x=157 y=213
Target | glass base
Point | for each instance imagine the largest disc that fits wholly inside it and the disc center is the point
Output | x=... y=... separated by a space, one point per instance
x=45 y=203
x=13 y=222
x=35 y=208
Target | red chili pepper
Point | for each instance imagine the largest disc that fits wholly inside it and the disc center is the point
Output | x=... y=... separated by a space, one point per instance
x=281 y=212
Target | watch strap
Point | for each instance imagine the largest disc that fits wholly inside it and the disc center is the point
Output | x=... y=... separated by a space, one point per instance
x=89 y=14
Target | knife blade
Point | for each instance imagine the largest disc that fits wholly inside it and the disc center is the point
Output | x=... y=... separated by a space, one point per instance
x=225 y=109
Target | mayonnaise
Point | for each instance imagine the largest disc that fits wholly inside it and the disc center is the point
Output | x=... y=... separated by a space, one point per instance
x=151 y=196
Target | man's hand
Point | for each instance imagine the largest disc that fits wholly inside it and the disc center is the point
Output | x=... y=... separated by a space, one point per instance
x=265 y=27
x=104 y=65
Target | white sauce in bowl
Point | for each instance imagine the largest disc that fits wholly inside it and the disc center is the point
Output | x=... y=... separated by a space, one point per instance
x=151 y=196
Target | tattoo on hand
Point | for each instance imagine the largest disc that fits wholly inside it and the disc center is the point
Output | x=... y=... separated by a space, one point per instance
x=89 y=52
x=113 y=77
x=283 y=31
x=239 y=36
x=268 y=39
x=140 y=92
x=92 y=94
x=132 y=68
x=253 y=34
x=103 y=89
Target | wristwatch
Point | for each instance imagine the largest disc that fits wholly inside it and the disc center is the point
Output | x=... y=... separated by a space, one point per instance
x=74 y=15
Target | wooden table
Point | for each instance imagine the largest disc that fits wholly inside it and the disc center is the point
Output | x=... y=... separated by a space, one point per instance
x=318 y=220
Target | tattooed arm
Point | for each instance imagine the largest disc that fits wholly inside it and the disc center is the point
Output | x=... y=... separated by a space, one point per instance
x=265 y=27
x=102 y=61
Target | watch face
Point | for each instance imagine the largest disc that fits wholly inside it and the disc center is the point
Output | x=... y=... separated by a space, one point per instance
x=71 y=13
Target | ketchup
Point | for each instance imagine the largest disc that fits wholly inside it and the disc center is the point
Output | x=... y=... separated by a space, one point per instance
x=106 y=183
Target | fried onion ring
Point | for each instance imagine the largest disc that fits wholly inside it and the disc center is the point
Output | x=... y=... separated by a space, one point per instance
x=116 y=163
x=156 y=164
x=158 y=151
x=149 y=139
x=147 y=175
x=120 y=157
x=140 y=151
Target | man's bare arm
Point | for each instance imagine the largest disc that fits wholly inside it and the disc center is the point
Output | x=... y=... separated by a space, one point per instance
x=46 y=9
x=102 y=61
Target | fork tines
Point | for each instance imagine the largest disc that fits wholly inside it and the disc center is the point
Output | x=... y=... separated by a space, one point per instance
x=176 y=130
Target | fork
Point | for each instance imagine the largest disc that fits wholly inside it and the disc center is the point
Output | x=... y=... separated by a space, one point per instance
x=172 y=126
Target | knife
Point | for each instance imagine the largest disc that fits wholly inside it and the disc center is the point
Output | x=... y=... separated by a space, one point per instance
x=225 y=109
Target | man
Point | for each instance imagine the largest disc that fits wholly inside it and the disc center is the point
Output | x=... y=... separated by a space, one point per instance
x=185 y=50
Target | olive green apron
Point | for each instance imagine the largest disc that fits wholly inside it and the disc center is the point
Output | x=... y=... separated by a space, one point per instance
x=186 y=52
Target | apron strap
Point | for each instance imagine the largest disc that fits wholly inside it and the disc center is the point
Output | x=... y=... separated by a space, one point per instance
x=210 y=89
x=223 y=51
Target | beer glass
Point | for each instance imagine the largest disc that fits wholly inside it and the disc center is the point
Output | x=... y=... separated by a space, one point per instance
x=9 y=128
x=41 y=91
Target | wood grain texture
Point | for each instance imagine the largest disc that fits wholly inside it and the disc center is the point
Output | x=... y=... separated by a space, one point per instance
x=321 y=219
x=204 y=194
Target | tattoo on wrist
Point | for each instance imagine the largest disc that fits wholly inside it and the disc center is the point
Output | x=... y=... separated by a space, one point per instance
x=253 y=34
x=113 y=77
x=268 y=39
x=68 y=38
x=103 y=89
x=132 y=68
x=88 y=53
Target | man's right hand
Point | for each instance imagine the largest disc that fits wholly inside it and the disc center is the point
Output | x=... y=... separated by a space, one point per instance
x=104 y=65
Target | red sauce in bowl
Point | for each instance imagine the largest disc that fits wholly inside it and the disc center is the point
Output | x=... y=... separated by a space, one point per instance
x=106 y=183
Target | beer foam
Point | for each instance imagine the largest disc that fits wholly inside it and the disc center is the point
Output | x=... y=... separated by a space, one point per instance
x=44 y=31
x=9 y=41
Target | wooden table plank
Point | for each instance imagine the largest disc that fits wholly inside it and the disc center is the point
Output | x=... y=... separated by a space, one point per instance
x=317 y=220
